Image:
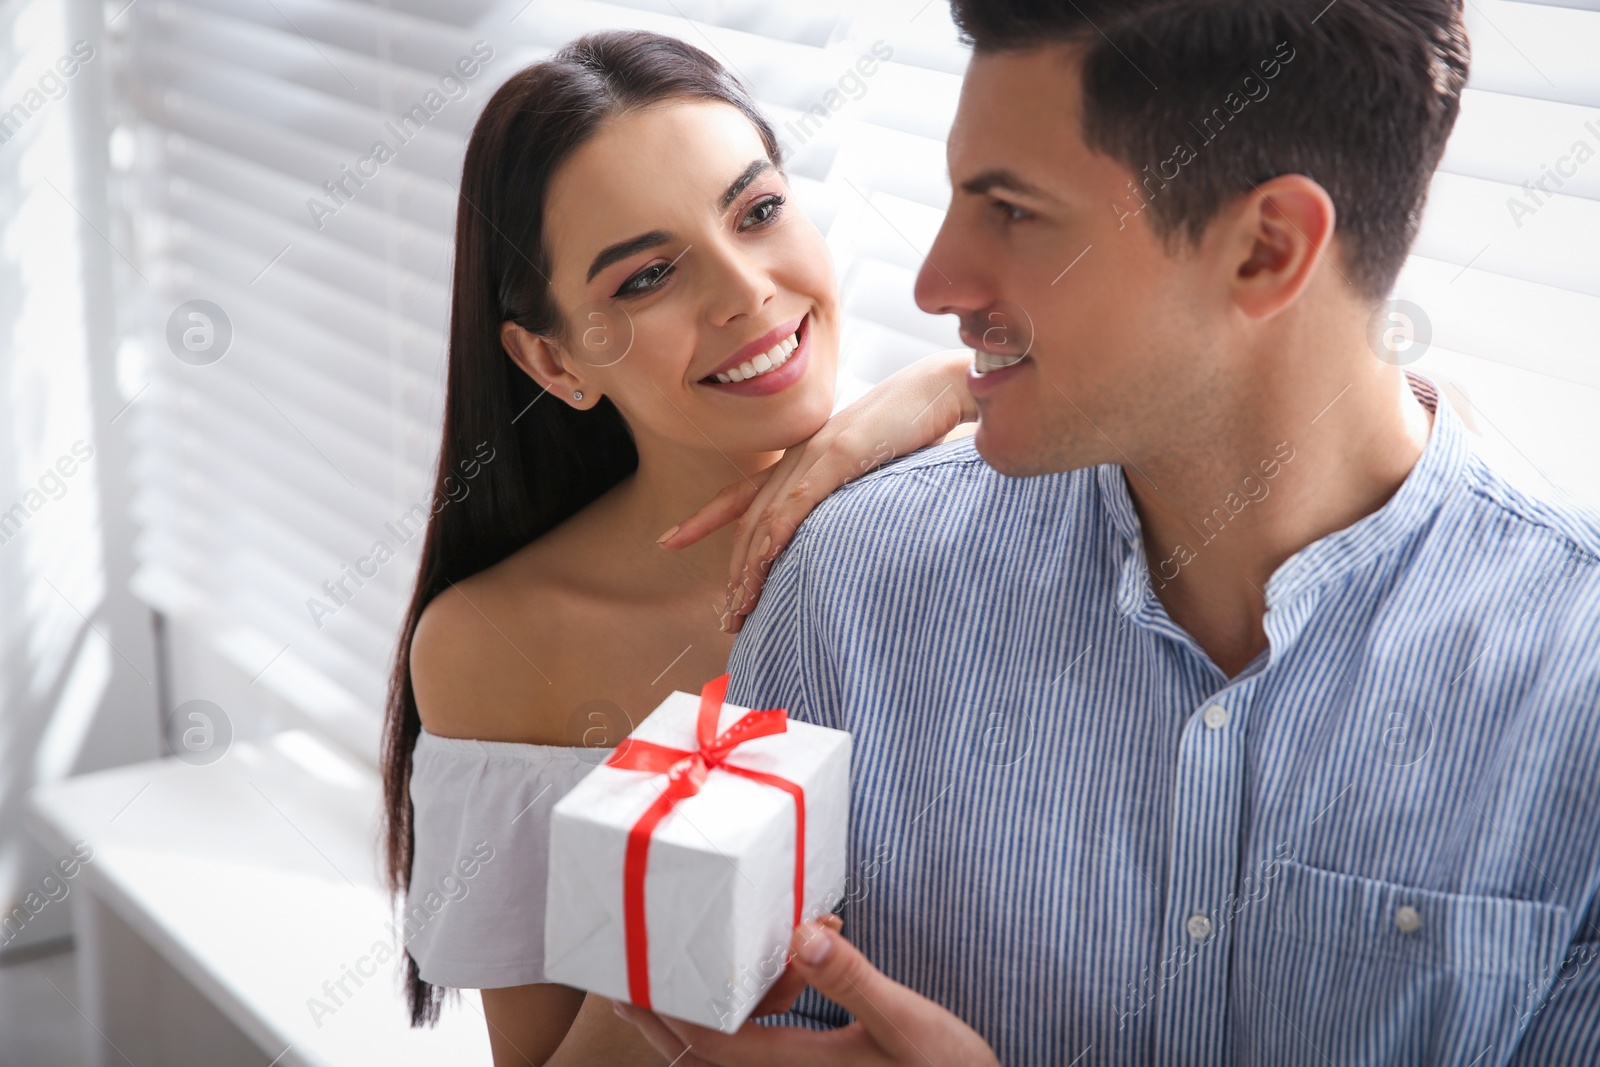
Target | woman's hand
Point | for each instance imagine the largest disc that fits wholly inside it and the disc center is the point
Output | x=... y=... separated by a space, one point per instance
x=914 y=407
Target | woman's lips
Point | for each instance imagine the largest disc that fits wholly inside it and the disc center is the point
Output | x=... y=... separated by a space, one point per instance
x=771 y=348
x=791 y=371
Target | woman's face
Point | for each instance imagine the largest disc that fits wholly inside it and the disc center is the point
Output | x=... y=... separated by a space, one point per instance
x=696 y=295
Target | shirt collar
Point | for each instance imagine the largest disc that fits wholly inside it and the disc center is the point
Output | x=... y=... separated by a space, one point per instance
x=1436 y=474
x=1434 y=477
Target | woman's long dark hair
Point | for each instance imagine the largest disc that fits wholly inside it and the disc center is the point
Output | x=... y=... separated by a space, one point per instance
x=549 y=459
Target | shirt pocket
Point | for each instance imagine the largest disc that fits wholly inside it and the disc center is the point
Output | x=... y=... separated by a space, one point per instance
x=1357 y=972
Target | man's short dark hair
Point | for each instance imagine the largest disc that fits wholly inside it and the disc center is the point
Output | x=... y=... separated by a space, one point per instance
x=1363 y=105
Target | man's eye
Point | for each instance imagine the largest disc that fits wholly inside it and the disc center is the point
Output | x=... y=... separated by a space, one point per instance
x=1011 y=212
x=649 y=278
x=763 y=212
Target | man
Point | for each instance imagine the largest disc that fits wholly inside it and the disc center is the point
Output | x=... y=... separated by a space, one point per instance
x=1215 y=704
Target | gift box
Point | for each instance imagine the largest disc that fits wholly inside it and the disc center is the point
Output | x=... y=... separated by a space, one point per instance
x=680 y=866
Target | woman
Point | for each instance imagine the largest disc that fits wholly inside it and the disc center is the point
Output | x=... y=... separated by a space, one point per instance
x=639 y=318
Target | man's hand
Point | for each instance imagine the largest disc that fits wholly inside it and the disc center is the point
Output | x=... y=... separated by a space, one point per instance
x=894 y=1025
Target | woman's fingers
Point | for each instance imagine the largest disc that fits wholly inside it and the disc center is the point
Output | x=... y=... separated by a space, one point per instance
x=758 y=558
x=752 y=531
x=783 y=517
x=729 y=503
x=781 y=507
x=914 y=407
x=758 y=562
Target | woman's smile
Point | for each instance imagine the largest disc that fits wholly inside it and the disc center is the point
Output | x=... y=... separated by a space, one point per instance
x=770 y=364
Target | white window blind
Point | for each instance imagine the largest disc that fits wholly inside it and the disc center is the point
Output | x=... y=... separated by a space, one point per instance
x=266 y=475
x=269 y=472
x=1512 y=294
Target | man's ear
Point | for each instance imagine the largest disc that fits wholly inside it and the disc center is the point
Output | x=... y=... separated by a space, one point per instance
x=1285 y=229
x=542 y=360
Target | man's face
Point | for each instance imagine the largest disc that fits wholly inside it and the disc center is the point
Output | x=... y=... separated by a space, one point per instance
x=1039 y=253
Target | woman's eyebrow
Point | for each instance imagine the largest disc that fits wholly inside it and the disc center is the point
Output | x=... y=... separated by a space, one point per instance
x=656 y=238
x=623 y=249
x=749 y=174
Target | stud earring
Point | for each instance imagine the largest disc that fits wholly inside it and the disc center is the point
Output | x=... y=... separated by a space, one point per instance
x=577 y=394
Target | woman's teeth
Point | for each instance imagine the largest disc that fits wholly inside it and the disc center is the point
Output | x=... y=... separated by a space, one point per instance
x=765 y=363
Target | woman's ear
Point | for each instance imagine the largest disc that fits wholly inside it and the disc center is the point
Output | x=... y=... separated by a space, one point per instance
x=542 y=360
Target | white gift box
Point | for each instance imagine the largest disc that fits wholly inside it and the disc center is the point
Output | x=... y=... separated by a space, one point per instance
x=718 y=873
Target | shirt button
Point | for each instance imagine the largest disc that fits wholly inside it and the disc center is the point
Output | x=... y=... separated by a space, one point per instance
x=1216 y=716
x=1407 y=919
x=1199 y=926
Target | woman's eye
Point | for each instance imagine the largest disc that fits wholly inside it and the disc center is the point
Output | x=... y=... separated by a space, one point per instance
x=760 y=214
x=646 y=280
x=763 y=212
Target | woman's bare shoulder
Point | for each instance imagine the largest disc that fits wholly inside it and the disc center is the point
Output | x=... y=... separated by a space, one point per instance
x=482 y=658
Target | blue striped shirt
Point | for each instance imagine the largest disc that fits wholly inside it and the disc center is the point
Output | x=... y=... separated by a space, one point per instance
x=1377 y=844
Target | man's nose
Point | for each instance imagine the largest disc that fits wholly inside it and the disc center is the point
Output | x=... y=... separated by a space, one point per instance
x=951 y=280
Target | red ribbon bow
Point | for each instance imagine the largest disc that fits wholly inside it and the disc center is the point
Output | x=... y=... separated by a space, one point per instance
x=686 y=772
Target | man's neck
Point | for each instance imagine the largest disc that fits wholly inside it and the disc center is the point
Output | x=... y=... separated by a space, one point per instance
x=1301 y=465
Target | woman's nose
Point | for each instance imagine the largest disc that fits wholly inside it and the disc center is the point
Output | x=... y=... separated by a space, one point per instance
x=740 y=284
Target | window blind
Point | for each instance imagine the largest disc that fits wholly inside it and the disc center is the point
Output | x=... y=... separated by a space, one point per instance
x=1506 y=269
x=246 y=137
x=269 y=470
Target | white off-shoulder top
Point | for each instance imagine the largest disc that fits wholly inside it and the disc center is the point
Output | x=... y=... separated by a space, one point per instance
x=474 y=915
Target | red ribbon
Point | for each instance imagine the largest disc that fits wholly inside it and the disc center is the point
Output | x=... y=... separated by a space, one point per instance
x=686 y=772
